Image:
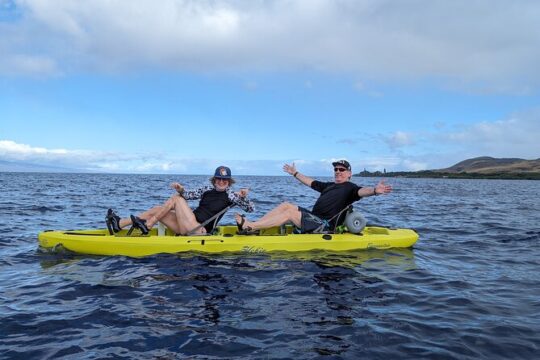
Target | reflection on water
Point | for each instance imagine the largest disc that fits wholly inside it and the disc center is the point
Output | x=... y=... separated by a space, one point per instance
x=369 y=259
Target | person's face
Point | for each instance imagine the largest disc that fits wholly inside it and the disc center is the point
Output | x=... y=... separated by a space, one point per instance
x=341 y=174
x=221 y=184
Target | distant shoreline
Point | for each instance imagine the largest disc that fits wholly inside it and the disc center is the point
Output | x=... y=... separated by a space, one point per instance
x=428 y=174
x=483 y=167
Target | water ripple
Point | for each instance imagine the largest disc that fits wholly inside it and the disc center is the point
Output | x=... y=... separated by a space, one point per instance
x=467 y=290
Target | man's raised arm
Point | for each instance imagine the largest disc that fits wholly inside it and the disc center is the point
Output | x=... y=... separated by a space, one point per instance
x=291 y=169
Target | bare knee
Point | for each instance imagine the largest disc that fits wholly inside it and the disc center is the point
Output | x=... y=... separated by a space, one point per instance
x=289 y=207
x=170 y=202
x=178 y=200
x=180 y=205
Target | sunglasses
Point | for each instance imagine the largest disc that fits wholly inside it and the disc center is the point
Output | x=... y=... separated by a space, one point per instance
x=336 y=169
x=221 y=179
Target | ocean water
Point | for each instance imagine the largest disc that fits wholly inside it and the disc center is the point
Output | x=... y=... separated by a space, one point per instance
x=470 y=287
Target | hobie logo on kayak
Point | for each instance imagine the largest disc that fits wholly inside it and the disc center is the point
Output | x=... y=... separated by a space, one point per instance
x=253 y=250
x=378 y=246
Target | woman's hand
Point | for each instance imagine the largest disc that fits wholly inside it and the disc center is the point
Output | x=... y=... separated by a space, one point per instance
x=177 y=187
x=243 y=192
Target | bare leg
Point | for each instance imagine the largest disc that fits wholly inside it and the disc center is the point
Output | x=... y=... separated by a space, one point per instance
x=276 y=217
x=153 y=215
x=145 y=216
x=159 y=213
x=277 y=210
x=185 y=218
x=175 y=213
x=169 y=220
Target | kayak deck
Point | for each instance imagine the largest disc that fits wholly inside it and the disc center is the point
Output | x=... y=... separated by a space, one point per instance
x=226 y=239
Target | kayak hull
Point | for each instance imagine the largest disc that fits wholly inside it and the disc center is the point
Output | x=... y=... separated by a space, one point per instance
x=99 y=242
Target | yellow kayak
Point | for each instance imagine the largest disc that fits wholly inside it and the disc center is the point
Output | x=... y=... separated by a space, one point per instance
x=225 y=239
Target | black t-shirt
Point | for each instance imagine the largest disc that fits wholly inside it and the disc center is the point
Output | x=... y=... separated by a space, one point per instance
x=212 y=202
x=334 y=198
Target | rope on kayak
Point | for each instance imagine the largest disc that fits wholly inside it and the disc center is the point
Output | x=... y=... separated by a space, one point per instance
x=320 y=229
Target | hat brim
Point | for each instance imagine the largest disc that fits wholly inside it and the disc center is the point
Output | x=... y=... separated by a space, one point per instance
x=340 y=164
x=230 y=178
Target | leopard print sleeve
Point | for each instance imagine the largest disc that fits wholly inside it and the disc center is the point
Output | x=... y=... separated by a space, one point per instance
x=242 y=202
x=196 y=194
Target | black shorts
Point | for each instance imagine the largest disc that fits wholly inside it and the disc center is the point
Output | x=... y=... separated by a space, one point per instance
x=309 y=222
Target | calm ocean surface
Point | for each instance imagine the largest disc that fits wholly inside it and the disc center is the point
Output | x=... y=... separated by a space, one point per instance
x=470 y=288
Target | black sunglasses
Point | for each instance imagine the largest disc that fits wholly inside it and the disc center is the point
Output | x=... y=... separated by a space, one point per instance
x=336 y=169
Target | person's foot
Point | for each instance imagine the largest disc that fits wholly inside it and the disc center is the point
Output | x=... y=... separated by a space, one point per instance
x=240 y=220
x=140 y=224
x=241 y=223
x=113 y=221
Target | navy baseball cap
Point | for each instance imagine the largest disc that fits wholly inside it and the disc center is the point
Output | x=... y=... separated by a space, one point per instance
x=343 y=163
x=222 y=172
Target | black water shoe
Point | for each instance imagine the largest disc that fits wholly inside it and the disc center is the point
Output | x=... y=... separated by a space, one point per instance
x=113 y=221
x=140 y=224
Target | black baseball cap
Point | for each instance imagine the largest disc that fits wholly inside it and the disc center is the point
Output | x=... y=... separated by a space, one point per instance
x=343 y=163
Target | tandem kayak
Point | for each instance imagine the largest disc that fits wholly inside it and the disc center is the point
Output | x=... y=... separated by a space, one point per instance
x=225 y=239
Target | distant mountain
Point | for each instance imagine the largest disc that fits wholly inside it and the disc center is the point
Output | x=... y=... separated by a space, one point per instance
x=484 y=167
x=14 y=166
x=489 y=165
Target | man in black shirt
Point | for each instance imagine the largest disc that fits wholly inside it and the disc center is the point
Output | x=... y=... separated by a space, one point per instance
x=335 y=196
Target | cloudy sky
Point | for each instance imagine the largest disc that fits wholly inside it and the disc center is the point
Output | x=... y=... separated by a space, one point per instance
x=180 y=86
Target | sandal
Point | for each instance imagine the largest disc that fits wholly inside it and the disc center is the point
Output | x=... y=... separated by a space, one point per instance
x=240 y=225
x=113 y=222
x=138 y=223
x=248 y=230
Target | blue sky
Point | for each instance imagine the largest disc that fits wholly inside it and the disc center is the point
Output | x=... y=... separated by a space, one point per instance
x=183 y=86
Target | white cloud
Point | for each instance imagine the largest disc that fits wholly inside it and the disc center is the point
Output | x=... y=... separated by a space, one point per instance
x=155 y=166
x=513 y=136
x=490 y=45
x=377 y=163
x=109 y=167
x=516 y=136
x=399 y=139
x=77 y=159
x=411 y=165
x=17 y=151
